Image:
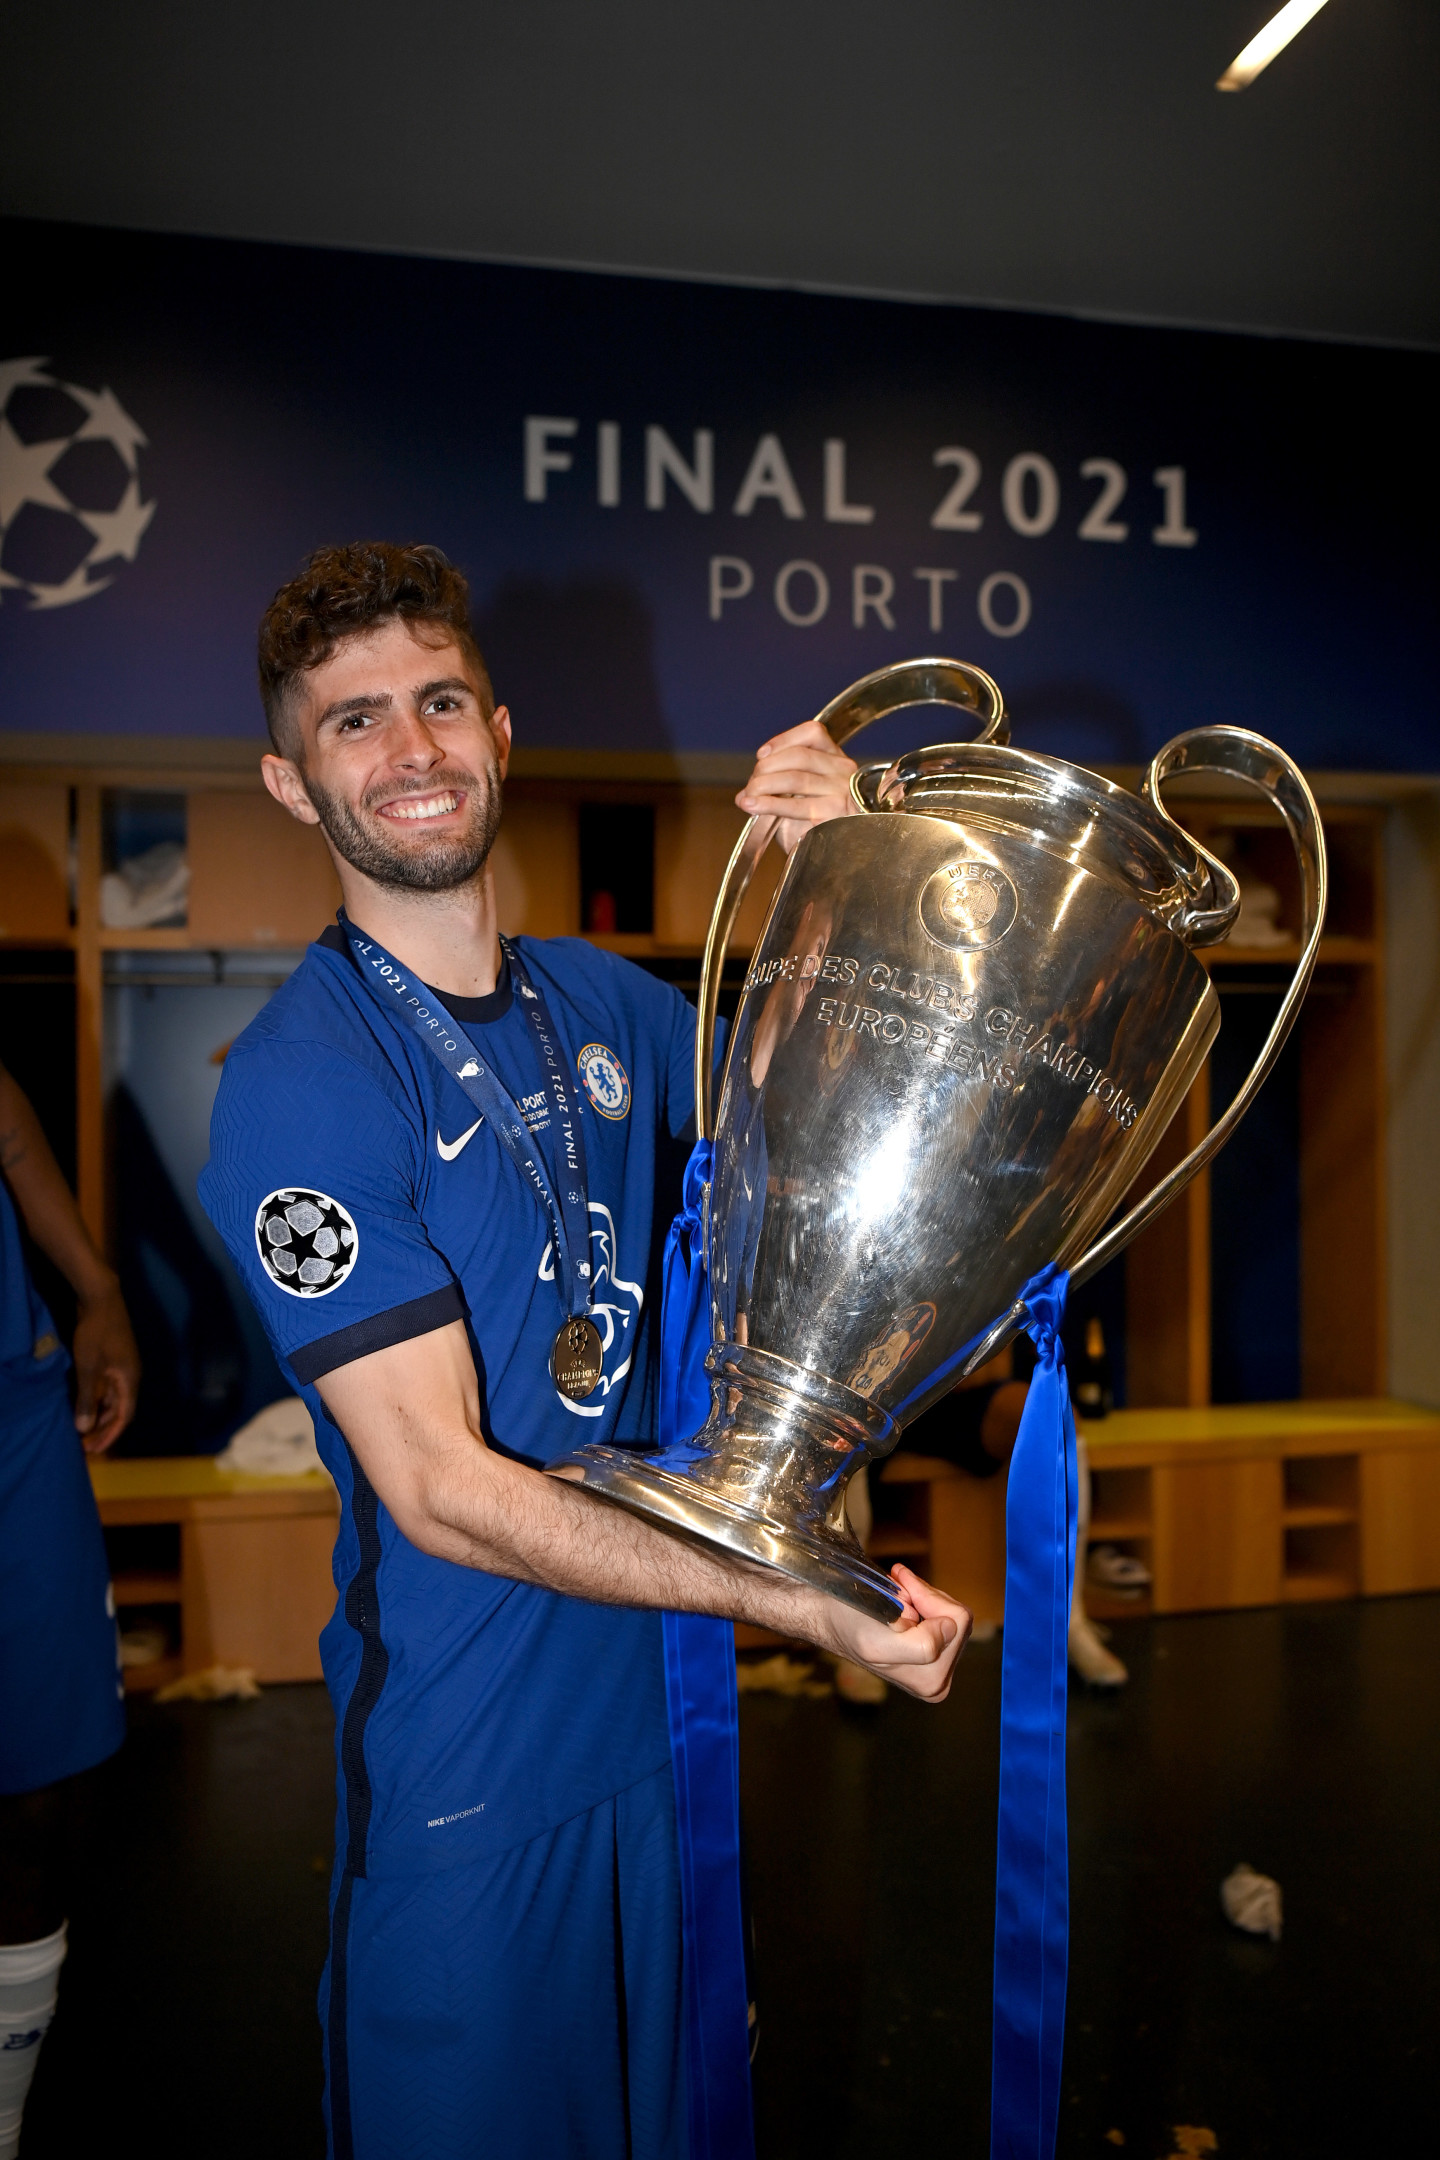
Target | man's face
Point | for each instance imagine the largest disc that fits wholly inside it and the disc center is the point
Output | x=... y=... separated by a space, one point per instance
x=397 y=759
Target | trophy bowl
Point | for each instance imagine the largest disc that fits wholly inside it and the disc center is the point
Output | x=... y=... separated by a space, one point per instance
x=970 y=1016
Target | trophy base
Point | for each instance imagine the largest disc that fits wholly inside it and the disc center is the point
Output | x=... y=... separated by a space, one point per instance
x=765 y=1479
x=672 y=1502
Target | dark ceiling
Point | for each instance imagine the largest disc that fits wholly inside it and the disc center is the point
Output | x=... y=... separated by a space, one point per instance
x=1063 y=154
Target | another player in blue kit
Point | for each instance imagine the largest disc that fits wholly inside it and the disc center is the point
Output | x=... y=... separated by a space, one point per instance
x=444 y=1164
x=62 y=1710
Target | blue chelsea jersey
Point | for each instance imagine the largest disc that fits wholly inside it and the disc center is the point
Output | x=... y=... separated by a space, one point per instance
x=365 y=1203
x=27 y=1332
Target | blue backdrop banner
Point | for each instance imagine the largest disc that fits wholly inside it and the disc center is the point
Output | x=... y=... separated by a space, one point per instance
x=692 y=513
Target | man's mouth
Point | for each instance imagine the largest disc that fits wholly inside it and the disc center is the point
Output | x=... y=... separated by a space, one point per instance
x=417 y=809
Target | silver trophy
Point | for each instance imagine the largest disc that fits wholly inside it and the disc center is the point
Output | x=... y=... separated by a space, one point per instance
x=970 y=1017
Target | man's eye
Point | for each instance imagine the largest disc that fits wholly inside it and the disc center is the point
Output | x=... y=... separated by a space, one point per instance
x=444 y=704
x=354 y=721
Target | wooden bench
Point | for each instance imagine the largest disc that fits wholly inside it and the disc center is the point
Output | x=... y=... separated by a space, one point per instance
x=1237 y=1504
x=251 y=1581
x=947 y=1525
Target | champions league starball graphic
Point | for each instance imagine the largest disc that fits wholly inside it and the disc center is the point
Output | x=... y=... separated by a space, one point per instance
x=307 y=1242
x=70 y=495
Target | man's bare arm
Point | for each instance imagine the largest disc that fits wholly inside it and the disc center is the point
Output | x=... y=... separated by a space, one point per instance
x=412 y=1416
x=107 y=1363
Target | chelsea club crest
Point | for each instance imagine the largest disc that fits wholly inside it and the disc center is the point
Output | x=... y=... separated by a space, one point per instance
x=605 y=1080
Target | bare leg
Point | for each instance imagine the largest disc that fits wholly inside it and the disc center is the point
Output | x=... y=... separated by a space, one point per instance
x=1088 y=1655
x=859 y=1513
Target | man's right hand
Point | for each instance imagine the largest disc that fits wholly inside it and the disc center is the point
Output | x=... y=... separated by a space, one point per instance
x=107 y=1366
x=107 y=1363
x=918 y=1651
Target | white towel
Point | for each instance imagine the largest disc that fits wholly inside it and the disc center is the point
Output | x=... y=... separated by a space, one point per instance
x=279 y=1442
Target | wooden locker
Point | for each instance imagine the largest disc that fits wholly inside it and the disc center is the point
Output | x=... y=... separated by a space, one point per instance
x=1399 y=1520
x=34 y=859
x=536 y=860
x=1218 y=1540
x=257 y=1590
x=257 y=876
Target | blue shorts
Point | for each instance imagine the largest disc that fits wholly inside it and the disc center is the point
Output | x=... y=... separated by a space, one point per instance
x=62 y=1702
x=527 y=2007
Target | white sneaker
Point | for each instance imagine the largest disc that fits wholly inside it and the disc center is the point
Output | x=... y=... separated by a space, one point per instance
x=1112 y=1569
x=1096 y=1665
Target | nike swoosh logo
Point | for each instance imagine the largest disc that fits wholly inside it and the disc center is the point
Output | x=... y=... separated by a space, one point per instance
x=448 y=1150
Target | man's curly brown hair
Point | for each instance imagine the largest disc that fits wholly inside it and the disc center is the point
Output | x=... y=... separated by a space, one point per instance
x=342 y=591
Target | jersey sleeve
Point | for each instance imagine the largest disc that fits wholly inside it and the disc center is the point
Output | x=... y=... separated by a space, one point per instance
x=680 y=1094
x=682 y=1020
x=680 y=1077
x=311 y=1183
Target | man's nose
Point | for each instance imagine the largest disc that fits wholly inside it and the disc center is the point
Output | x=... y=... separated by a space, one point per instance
x=412 y=746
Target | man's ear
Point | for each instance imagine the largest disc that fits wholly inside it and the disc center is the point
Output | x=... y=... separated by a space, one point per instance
x=500 y=728
x=286 y=784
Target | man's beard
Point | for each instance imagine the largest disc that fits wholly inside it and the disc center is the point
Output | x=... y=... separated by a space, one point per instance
x=442 y=862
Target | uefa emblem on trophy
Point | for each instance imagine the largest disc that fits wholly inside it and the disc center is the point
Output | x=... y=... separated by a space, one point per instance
x=969 y=1019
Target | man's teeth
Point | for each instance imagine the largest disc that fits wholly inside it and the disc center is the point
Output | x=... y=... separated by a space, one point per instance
x=424 y=806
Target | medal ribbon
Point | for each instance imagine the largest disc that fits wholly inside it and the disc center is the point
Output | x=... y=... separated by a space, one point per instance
x=565 y=1202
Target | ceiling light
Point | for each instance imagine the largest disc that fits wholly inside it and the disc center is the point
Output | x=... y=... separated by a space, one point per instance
x=1273 y=39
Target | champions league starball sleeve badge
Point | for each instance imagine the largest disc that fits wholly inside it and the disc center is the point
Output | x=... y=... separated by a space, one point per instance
x=969 y=1019
x=307 y=1242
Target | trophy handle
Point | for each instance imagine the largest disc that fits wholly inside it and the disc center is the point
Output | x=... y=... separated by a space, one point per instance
x=1241 y=755
x=888 y=690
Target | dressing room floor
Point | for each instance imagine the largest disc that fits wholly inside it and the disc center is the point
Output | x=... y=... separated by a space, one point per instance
x=1306 y=1741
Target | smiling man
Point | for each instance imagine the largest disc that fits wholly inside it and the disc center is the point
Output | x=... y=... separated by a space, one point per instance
x=437 y=1159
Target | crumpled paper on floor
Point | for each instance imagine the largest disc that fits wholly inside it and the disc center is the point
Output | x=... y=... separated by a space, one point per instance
x=217 y=1683
x=781 y=1675
x=1252 y=1902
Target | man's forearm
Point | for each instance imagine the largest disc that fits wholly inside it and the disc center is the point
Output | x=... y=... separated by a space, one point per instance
x=498 y=1515
x=411 y=1415
x=45 y=1201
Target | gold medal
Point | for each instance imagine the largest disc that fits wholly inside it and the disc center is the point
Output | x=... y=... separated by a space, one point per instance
x=577 y=1357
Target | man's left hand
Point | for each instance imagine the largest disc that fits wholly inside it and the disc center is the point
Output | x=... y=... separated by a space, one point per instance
x=802 y=778
x=917 y=1651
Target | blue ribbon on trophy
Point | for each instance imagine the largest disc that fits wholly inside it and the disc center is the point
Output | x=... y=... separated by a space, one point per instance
x=704 y=1740
x=1032 y=1875
x=1032 y=1883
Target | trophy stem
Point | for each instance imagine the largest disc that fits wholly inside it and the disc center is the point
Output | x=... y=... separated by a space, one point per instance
x=765 y=1477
